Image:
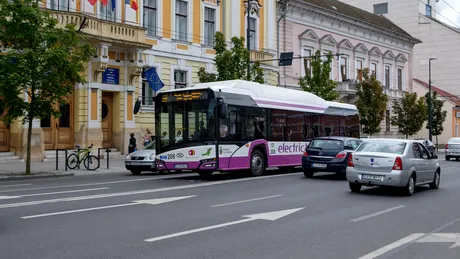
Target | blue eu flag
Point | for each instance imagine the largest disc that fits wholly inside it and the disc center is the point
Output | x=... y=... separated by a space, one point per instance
x=113 y=5
x=154 y=80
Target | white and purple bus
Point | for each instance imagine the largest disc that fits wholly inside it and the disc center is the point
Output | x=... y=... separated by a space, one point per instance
x=241 y=125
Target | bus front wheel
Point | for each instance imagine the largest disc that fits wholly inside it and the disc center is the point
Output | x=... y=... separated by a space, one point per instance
x=257 y=163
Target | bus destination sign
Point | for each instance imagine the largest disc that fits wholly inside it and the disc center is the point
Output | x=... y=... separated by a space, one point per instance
x=183 y=96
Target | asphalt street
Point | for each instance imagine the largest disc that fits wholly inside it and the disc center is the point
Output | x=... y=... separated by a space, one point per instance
x=280 y=215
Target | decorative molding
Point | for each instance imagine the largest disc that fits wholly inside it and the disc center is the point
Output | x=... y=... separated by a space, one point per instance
x=345 y=44
x=309 y=35
x=389 y=55
x=328 y=40
x=254 y=7
x=401 y=58
x=361 y=48
x=375 y=51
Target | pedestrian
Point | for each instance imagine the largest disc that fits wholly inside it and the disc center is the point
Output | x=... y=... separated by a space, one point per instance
x=147 y=138
x=132 y=144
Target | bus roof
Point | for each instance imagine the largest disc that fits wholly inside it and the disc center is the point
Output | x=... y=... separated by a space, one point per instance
x=267 y=96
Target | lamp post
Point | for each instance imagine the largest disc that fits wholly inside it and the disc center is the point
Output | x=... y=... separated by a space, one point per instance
x=254 y=6
x=430 y=106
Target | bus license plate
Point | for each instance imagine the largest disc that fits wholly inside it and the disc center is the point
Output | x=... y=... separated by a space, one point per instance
x=181 y=166
x=319 y=165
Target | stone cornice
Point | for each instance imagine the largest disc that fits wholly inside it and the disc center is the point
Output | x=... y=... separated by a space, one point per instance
x=304 y=13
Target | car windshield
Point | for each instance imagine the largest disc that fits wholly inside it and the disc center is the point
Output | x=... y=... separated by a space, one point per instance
x=391 y=147
x=150 y=146
x=326 y=144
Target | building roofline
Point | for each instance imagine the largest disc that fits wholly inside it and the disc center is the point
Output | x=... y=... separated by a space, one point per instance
x=441 y=93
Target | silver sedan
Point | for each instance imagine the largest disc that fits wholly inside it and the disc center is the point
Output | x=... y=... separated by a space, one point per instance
x=392 y=162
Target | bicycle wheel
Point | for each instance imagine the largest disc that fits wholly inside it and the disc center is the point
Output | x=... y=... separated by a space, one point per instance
x=91 y=162
x=72 y=161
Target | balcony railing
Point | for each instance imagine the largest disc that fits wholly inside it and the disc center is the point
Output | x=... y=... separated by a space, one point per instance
x=114 y=32
x=347 y=86
x=261 y=55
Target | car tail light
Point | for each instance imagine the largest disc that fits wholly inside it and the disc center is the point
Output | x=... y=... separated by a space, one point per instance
x=350 y=161
x=398 y=164
x=447 y=146
x=305 y=153
x=341 y=155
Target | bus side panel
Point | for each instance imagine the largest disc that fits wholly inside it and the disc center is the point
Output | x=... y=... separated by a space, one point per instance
x=285 y=153
x=232 y=157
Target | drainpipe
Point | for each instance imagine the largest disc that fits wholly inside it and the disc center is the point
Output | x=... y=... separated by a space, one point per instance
x=283 y=9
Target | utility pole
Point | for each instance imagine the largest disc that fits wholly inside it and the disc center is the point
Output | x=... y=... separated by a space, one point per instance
x=248 y=35
x=430 y=106
x=283 y=5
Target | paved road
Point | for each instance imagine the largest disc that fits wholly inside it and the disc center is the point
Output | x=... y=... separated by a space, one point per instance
x=181 y=216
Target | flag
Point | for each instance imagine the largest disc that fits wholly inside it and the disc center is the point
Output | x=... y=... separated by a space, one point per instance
x=92 y=2
x=127 y=1
x=113 y=5
x=154 y=80
x=133 y=5
x=104 y=2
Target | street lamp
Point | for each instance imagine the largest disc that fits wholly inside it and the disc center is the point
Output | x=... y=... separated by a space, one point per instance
x=252 y=6
x=430 y=107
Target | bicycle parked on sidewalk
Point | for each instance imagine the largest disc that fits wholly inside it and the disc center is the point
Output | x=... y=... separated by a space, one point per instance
x=90 y=161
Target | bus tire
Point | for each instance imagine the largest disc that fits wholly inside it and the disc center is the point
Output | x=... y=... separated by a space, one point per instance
x=257 y=163
x=205 y=174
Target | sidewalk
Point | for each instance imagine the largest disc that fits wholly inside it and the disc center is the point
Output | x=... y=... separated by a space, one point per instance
x=12 y=171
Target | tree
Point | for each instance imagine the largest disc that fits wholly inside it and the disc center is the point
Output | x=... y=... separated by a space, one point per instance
x=42 y=60
x=410 y=113
x=319 y=82
x=371 y=103
x=231 y=63
x=438 y=115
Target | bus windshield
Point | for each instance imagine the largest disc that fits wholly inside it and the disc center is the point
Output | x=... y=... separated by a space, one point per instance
x=185 y=123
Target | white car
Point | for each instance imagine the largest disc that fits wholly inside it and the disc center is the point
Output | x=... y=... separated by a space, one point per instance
x=142 y=160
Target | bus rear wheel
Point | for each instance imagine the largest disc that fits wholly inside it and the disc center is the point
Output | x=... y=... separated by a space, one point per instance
x=257 y=163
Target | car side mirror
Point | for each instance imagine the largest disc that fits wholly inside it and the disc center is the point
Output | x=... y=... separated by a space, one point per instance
x=435 y=156
x=222 y=110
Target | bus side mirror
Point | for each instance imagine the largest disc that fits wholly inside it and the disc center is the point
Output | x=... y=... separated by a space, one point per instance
x=137 y=106
x=222 y=110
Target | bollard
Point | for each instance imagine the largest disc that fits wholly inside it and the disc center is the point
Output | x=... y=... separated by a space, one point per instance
x=57 y=155
x=78 y=155
x=66 y=160
x=108 y=150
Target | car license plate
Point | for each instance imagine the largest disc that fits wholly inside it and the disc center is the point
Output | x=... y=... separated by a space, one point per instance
x=319 y=165
x=372 y=177
x=180 y=166
x=135 y=163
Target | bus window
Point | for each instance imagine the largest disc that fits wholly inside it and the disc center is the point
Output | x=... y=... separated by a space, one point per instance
x=294 y=124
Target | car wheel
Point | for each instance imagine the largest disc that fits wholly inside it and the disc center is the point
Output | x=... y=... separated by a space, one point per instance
x=436 y=180
x=410 y=186
x=447 y=158
x=457 y=158
x=136 y=172
x=308 y=174
x=355 y=187
x=257 y=163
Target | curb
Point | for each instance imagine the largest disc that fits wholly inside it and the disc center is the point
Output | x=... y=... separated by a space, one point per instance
x=32 y=177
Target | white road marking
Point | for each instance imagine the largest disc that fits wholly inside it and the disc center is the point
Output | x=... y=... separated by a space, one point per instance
x=15 y=185
x=118 y=194
x=98 y=183
x=150 y=202
x=238 y=202
x=72 y=191
x=392 y=246
x=378 y=213
x=442 y=238
x=271 y=216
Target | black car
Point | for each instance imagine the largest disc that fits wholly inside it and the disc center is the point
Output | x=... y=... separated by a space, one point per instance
x=429 y=145
x=328 y=154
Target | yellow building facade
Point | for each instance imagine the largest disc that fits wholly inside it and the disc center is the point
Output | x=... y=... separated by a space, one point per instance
x=174 y=36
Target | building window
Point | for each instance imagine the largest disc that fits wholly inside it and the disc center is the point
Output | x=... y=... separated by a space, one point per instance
x=180 y=79
x=108 y=12
x=359 y=70
x=374 y=69
x=252 y=33
x=147 y=93
x=150 y=17
x=400 y=79
x=181 y=20
x=387 y=121
x=428 y=10
x=387 y=76
x=209 y=26
x=344 y=68
x=307 y=62
x=62 y=5
x=381 y=8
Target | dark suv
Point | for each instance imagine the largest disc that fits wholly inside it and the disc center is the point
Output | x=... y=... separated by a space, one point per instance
x=328 y=154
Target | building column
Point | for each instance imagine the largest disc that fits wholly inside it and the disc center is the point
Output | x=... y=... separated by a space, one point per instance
x=94 y=131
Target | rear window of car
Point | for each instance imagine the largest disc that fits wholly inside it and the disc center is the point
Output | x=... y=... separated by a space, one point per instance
x=391 y=147
x=326 y=144
x=454 y=140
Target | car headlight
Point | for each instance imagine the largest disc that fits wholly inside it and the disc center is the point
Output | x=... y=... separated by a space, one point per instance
x=152 y=157
x=129 y=156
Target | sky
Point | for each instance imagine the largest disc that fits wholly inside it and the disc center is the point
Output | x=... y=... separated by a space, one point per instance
x=451 y=13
